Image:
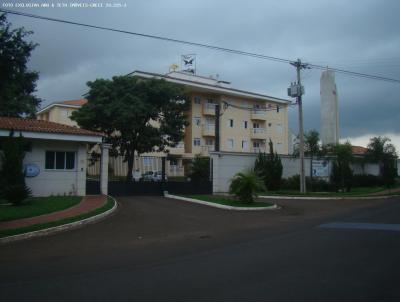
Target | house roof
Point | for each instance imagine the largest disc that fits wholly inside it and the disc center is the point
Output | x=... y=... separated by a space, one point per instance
x=196 y=82
x=358 y=149
x=80 y=102
x=68 y=104
x=32 y=125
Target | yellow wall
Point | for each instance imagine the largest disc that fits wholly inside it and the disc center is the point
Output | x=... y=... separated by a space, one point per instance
x=58 y=114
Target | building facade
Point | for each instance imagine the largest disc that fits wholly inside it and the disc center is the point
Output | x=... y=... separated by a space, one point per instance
x=329 y=109
x=247 y=122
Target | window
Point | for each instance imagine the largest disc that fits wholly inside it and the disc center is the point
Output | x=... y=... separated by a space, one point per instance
x=60 y=160
x=269 y=124
x=245 y=124
x=173 y=162
x=196 y=142
x=256 y=125
x=147 y=161
x=197 y=100
x=245 y=145
x=230 y=123
x=230 y=143
x=197 y=120
x=256 y=144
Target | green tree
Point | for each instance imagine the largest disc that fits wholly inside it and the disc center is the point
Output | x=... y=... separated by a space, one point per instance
x=17 y=83
x=342 y=174
x=12 y=178
x=137 y=115
x=269 y=168
x=200 y=168
x=245 y=186
x=381 y=151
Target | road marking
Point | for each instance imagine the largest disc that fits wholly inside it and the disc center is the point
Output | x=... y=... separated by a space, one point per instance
x=361 y=226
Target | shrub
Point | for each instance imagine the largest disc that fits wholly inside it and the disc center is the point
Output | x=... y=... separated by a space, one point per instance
x=200 y=168
x=269 y=168
x=367 y=180
x=317 y=185
x=13 y=184
x=245 y=186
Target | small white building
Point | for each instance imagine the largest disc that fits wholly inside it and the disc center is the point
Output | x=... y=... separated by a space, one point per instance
x=56 y=160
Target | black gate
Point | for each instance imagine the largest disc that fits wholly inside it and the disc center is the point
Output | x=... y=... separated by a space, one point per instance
x=92 y=187
x=151 y=188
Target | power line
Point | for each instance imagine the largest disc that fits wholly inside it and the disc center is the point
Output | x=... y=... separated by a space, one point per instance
x=209 y=46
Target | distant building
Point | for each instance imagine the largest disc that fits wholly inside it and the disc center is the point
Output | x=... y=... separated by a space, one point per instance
x=329 y=109
x=60 y=112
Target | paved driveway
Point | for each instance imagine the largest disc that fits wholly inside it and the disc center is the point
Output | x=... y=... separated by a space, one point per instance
x=149 y=233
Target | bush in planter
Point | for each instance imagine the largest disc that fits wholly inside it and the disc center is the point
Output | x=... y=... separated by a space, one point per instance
x=245 y=186
x=13 y=187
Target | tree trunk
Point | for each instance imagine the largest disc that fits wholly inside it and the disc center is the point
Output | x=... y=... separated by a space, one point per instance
x=131 y=159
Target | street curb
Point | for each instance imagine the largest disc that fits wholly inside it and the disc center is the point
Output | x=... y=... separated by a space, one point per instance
x=62 y=228
x=221 y=206
x=328 y=198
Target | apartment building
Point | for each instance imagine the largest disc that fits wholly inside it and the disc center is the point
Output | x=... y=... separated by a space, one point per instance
x=248 y=121
x=60 y=112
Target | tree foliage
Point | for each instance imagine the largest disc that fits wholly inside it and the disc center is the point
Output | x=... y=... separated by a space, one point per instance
x=381 y=151
x=17 y=83
x=137 y=115
x=200 y=168
x=269 y=168
x=245 y=186
x=12 y=178
x=342 y=174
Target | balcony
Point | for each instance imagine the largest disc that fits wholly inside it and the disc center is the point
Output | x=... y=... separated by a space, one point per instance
x=259 y=149
x=208 y=130
x=259 y=133
x=205 y=150
x=209 y=109
x=258 y=114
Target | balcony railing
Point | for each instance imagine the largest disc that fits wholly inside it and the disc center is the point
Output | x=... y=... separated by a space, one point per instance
x=258 y=133
x=258 y=114
x=209 y=109
x=259 y=149
x=205 y=150
x=208 y=130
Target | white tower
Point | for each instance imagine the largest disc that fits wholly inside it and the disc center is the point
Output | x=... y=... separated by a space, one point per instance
x=329 y=109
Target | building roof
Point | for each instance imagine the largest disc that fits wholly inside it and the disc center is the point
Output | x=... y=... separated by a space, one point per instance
x=212 y=85
x=32 y=125
x=358 y=149
x=67 y=104
x=80 y=102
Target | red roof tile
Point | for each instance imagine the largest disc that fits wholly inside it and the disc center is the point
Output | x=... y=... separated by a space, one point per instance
x=31 y=125
x=74 y=102
x=358 y=150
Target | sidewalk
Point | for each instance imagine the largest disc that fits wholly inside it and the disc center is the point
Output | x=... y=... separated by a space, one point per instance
x=88 y=204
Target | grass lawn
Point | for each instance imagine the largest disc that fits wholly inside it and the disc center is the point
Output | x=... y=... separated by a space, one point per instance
x=37 y=206
x=358 y=191
x=228 y=201
x=109 y=204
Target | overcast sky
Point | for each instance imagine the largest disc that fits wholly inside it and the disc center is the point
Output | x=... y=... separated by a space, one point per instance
x=362 y=36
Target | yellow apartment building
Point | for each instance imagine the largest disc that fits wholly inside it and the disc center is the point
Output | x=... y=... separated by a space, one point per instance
x=60 y=112
x=248 y=121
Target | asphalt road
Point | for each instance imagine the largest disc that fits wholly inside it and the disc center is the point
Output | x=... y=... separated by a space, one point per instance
x=155 y=249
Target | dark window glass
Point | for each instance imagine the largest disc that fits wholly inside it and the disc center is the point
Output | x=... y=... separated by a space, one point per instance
x=50 y=160
x=60 y=160
x=70 y=161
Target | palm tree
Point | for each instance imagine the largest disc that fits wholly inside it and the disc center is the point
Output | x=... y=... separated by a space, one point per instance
x=245 y=186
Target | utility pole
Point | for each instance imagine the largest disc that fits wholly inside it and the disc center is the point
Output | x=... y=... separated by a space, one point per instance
x=296 y=90
x=217 y=134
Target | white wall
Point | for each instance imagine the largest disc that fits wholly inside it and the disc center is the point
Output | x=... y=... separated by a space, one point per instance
x=226 y=164
x=57 y=182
